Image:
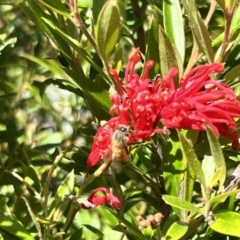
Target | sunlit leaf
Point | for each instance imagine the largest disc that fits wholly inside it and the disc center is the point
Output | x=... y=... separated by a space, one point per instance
x=167 y=55
x=222 y=197
x=65 y=188
x=173 y=25
x=177 y=230
x=108 y=29
x=14 y=227
x=180 y=203
x=31 y=178
x=227 y=223
x=199 y=29
x=192 y=159
x=218 y=157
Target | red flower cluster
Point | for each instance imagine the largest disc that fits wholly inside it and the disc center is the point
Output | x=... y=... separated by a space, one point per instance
x=100 y=200
x=199 y=101
x=143 y=104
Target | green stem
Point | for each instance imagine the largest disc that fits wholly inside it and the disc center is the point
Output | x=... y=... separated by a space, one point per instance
x=61 y=155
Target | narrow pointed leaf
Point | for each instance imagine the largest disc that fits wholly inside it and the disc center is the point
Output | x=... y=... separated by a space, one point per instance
x=14 y=227
x=222 y=197
x=173 y=25
x=65 y=188
x=218 y=157
x=152 y=42
x=192 y=159
x=199 y=29
x=167 y=54
x=108 y=29
x=180 y=203
x=31 y=178
x=174 y=166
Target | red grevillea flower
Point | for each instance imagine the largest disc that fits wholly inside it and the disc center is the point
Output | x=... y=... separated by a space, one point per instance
x=139 y=104
x=102 y=143
x=199 y=101
x=142 y=103
x=100 y=200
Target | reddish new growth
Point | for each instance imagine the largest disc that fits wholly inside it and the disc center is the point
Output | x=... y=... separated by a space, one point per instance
x=100 y=200
x=142 y=103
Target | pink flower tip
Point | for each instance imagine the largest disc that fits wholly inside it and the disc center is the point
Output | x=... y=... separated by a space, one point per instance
x=94 y=200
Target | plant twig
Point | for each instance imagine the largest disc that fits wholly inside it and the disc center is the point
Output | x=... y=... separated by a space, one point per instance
x=226 y=37
x=210 y=12
x=36 y=223
x=14 y=174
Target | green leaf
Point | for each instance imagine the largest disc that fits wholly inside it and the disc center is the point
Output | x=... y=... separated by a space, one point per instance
x=6 y=96
x=208 y=168
x=93 y=229
x=61 y=36
x=65 y=188
x=192 y=159
x=152 y=42
x=233 y=28
x=232 y=74
x=177 y=230
x=50 y=65
x=180 y=203
x=173 y=25
x=77 y=234
x=56 y=6
x=37 y=15
x=98 y=97
x=31 y=178
x=174 y=165
x=167 y=55
x=227 y=223
x=9 y=135
x=222 y=197
x=218 y=157
x=61 y=83
x=14 y=227
x=108 y=29
x=96 y=9
x=112 y=234
x=6 y=52
x=221 y=3
x=46 y=221
x=199 y=29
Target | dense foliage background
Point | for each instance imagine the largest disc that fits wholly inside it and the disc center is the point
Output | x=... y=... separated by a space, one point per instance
x=54 y=95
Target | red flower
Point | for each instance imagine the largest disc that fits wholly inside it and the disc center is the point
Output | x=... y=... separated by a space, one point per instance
x=200 y=100
x=143 y=103
x=100 y=200
x=102 y=143
x=139 y=104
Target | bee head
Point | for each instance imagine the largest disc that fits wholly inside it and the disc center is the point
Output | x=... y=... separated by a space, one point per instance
x=123 y=128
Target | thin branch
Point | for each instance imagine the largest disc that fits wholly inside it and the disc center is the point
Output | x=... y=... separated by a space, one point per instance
x=226 y=38
x=36 y=223
x=14 y=174
x=210 y=12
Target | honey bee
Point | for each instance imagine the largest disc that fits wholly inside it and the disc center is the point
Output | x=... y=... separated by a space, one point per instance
x=120 y=139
